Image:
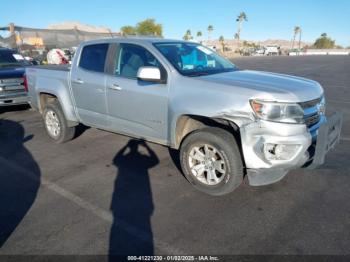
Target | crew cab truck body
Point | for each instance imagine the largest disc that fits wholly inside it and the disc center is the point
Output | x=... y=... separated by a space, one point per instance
x=226 y=122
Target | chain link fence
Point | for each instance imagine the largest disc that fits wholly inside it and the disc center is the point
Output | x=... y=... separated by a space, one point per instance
x=26 y=38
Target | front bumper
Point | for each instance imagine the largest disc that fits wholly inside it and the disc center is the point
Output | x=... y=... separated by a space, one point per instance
x=312 y=146
x=328 y=136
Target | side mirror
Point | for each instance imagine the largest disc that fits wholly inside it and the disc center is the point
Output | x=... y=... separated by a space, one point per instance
x=149 y=73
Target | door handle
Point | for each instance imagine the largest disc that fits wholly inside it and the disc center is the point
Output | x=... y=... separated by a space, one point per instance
x=115 y=87
x=78 y=81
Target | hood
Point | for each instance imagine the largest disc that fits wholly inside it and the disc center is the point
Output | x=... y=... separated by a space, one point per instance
x=14 y=72
x=269 y=86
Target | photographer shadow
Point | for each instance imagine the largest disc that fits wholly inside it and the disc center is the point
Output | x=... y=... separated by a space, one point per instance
x=132 y=202
x=18 y=189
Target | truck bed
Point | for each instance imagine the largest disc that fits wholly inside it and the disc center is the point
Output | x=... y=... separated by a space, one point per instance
x=54 y=67
x=51 y=79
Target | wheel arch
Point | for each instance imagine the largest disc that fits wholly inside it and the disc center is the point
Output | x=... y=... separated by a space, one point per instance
x=186 y=124
x=44 y=99
x=49 y=97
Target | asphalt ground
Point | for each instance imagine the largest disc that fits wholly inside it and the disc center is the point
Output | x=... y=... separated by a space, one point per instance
x=92 y=195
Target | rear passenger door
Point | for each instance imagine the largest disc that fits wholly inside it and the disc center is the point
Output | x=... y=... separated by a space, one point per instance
x=88 y=82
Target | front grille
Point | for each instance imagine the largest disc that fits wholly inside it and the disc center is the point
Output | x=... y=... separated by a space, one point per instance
x=311 y=103
x=312 y=120
x=311 y=113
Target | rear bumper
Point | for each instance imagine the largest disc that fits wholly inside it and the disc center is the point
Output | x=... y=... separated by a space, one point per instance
x=17 y=99
x=313 y=145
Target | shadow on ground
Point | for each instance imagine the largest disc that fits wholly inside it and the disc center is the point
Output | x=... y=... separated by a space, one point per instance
x=80 y=129
x=18 y=190
x=4 y=109
x=132 y=202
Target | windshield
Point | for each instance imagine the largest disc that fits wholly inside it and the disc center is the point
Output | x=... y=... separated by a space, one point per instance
x=192 y=59
x=7 y=59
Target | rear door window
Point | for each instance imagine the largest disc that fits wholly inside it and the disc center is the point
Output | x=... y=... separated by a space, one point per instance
x=93 y=57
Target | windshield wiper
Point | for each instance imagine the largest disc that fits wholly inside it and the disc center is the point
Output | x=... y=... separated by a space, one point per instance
x=198 y=74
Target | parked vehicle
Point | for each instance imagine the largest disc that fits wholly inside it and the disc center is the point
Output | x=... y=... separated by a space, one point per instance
x=259 y=52
x=271 y=50
x=12 y=85
x=226 y=122
x=294 y=52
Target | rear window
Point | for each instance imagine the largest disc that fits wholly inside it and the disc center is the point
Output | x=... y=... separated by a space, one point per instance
x=8 y=59
x=93 y=57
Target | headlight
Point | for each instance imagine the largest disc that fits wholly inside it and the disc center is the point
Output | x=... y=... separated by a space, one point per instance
x=1 y=89
x=278 y=112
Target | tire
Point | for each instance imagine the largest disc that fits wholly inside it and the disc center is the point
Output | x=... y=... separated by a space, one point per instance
x=63 y=132
x=224 y=153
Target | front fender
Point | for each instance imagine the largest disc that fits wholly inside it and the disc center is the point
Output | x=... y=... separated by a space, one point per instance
x=238 y=120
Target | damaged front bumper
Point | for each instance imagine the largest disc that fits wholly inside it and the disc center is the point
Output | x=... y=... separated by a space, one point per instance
x=272 y=149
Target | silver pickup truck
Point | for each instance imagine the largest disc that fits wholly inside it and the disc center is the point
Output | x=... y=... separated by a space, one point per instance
x=226 y=122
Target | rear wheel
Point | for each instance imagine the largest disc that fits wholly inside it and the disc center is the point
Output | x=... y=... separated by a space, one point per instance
x=56 y=123
x=211 y=161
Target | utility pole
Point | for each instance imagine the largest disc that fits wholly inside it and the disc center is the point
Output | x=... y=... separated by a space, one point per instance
x=76 y=32
x=12 y=35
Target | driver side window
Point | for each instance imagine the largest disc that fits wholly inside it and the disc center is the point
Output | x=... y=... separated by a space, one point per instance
x=130 y=58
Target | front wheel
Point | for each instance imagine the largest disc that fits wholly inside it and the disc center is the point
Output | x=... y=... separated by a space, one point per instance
x=56 y=123
x=211 y=161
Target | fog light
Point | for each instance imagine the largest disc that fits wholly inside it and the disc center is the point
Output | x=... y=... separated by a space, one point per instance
x=280 y=151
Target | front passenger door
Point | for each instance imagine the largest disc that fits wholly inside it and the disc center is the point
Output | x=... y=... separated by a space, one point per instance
x=137 y=107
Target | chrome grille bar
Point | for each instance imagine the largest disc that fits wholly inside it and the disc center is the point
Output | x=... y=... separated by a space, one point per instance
x=311 y=113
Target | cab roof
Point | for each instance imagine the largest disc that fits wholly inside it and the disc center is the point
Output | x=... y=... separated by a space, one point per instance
x=134 y=39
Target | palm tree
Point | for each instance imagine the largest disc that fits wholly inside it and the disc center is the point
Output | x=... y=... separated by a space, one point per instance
x=199 y=35
x=210 y=30
x=300 y=38
x=240 y=19
x=297 y=30
x=222 y=42
x=188 y=35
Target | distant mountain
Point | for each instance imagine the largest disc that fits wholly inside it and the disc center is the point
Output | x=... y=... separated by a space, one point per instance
x=79 y=26
x=284 y=44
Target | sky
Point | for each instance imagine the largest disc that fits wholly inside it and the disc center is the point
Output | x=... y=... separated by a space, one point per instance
x=267 y=19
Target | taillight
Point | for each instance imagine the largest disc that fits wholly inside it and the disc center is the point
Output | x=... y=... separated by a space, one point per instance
x=25 y=83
